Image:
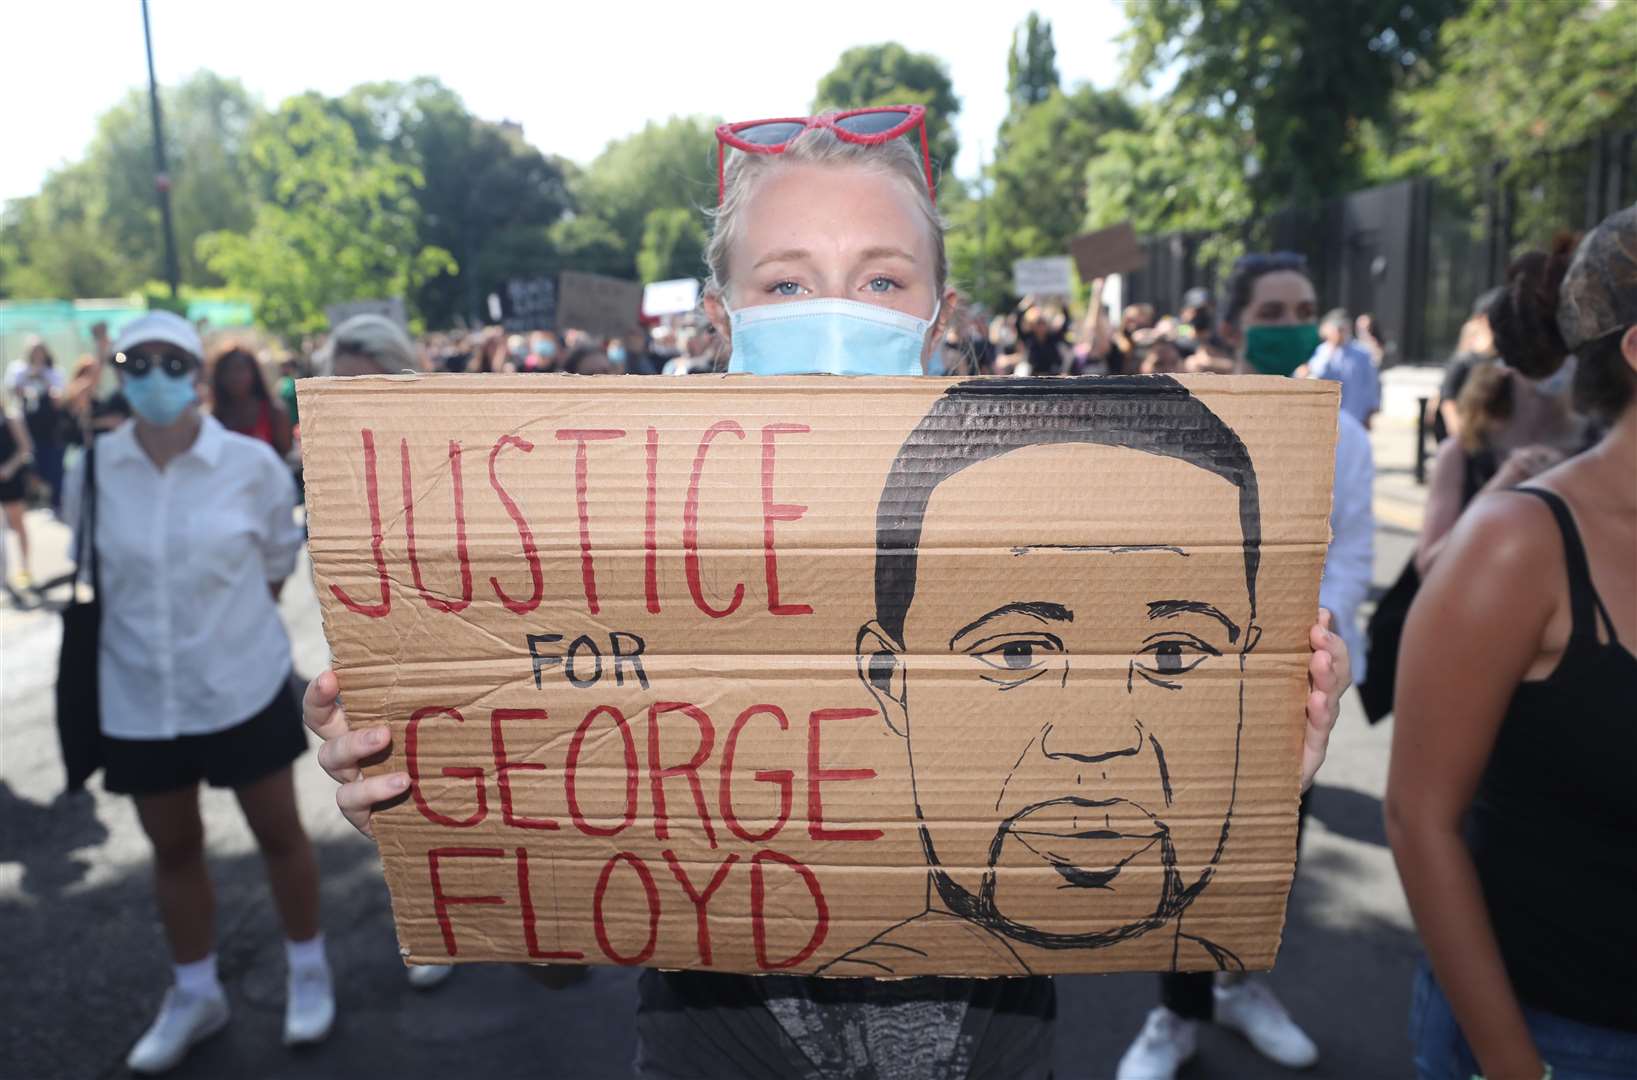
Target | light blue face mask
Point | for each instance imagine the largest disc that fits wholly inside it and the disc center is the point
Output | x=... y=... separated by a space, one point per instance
x=827 y=336
x=159 y=397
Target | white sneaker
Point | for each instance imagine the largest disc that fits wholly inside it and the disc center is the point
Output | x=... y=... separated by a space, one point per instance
x=309 y=1010
x=1166 y=1043
x=426 y=976
x=1250 y=1008
x=184 y=1019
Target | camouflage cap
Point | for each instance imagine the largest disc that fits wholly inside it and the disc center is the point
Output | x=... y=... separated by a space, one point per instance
x=1599 y=293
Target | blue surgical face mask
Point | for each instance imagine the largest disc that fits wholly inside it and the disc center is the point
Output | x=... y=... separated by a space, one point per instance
x=547 y=348
x=159 y=397
x=827 y=336
x=616 y=354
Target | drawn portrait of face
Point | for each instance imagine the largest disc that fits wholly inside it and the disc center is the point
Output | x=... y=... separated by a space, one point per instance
x=1063 y=719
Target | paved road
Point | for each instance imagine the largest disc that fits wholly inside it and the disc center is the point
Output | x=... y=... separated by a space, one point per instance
x=83 y=962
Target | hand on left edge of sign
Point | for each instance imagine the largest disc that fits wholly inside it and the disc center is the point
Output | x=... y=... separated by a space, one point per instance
x=1329 y=674
x=345 y=750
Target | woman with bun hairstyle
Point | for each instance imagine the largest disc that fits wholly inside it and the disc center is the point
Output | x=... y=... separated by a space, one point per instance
x=1512 y=426
x=1512 y=795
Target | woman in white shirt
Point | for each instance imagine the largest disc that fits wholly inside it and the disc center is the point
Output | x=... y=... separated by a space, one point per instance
x=194 y=536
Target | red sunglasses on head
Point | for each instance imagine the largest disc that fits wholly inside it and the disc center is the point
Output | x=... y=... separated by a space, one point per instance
x=866 y=127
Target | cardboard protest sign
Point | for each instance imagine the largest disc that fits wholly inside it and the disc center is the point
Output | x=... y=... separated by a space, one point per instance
x=601 y=306
x=677 y=297
x=854 y=676
x=1114 y=250
x=1043 y=277
x=531 y=304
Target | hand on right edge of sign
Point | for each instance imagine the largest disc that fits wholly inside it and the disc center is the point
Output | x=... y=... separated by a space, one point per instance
x=344 y=749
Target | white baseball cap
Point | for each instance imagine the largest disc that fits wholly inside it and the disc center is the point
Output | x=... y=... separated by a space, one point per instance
x=163 y=326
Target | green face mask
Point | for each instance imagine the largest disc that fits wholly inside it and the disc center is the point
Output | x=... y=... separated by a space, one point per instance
x=1280 y=350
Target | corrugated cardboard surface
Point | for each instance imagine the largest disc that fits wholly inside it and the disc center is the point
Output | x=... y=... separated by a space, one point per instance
x=856 y=676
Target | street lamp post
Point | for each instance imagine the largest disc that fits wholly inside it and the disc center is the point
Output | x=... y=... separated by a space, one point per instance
x=161 y=180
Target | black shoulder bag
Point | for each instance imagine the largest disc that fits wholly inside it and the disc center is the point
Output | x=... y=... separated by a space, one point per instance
x=79 y=713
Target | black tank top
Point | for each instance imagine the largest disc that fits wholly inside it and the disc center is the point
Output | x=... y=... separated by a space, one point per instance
x=1553 y=827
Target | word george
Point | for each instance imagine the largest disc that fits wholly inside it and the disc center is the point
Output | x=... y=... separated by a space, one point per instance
x=657 y=771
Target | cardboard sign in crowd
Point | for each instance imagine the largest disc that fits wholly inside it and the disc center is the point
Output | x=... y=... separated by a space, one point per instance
x=844 y=676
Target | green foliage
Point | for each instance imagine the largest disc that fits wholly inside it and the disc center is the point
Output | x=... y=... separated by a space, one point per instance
x=1176 y=171
x=487 y=196
x=1031 y=66
x=53 y=244
x=1304 y=81
x=1037 y=190
x=664 y=166
x=582 y=242
x=94 y=227
x=890 y=74
x=1519 y=79
x=342 y=222
x=673 y=245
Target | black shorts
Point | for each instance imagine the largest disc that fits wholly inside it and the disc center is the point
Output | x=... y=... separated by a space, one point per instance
x=233 y=758
x=15 y=487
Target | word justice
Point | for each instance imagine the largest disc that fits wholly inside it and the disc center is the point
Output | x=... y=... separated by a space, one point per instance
x=772 y=513
x=594 y=730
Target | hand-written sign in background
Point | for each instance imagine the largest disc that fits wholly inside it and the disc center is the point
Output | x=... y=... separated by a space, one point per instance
x=663 y=703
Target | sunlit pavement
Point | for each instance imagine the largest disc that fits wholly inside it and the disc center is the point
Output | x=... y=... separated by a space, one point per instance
x=85 y=964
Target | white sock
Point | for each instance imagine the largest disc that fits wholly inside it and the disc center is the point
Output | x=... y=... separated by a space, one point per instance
x=198 y=979
x=305 y=955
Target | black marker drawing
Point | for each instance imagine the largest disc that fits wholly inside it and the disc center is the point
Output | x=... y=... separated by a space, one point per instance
x=1004 y=661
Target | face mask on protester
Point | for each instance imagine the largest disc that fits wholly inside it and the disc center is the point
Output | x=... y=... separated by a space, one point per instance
x=1280 y=350
x=616 y=354
x=547 y=348
x=831 y=336
x=160 y=397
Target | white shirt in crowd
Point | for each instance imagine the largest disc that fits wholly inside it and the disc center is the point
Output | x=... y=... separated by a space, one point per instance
x=1350 y=561
x=24 y=382
x=191 y=637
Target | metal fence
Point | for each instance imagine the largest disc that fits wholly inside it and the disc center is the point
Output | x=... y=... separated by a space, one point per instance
x=1414 y=253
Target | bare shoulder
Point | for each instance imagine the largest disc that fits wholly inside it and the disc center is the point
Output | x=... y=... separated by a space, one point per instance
x=1504 y=533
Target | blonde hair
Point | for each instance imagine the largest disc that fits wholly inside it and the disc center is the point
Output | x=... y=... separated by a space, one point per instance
x=377 y=339
x=897 y=159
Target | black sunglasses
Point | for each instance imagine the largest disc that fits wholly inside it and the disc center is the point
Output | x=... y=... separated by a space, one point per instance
x=141 y=361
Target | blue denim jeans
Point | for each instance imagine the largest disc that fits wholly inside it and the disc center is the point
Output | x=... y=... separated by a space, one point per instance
x=1575 y=1051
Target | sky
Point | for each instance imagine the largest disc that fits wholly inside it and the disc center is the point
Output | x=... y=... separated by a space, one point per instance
x=575 y=75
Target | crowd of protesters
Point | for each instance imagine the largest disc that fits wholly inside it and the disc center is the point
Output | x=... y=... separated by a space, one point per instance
x=1510 y=682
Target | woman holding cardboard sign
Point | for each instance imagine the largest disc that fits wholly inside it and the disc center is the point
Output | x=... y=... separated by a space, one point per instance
x=828 y=255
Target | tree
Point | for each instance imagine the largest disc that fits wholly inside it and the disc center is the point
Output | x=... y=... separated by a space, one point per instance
x=668 y=165
x=1178 y=171
x=94 y=228
x=487 y=196
x=1308 y=83
x=673 y=245
x=890 y=74
x=1037 y=191
x=1031 y=66
x=1520 y=79
x=53 y=245
x=342 y=223
x=582 y=242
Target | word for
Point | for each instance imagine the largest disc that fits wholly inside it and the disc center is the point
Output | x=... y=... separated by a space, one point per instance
x=773 y=512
